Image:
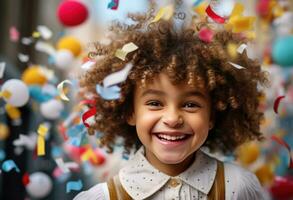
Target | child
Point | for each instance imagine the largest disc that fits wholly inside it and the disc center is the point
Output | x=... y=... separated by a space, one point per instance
x=181 y=93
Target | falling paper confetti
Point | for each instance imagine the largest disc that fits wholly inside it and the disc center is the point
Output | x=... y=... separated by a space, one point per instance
x=277 y=102
x=214 y=15
x=8 y=165
x=113 y=4
x=26 y=41
x=23 y=57
x=2 y=69
x=108 y=93
x=127 y=48
x=42 y=131
x=87 y=65
x=165 y=13
x=73 y=185
x=14 y=34
x=117 y=77
x=206 y=34
x=65 y=166
x=236 y=65
x=88 y=115
x=60 y=88
x=45 y=32
x=45 y=47
x=241 y=48
x=27 y=141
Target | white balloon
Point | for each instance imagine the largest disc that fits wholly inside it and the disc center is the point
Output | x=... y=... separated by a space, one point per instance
x=40 y=185
x=18 y=90
x=52 y=109
x=63 y=58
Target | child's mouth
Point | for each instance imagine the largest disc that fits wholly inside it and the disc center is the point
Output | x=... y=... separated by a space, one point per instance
x=170 y=138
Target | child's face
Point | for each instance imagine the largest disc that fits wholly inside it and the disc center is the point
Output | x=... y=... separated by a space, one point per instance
x=172 y=121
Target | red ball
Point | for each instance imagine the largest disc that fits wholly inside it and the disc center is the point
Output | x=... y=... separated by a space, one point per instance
x=72 y=13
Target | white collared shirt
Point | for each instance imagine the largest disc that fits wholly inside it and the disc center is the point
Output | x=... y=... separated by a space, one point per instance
x=142 y=181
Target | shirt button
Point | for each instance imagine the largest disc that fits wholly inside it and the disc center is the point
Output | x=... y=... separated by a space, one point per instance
x=174 y=182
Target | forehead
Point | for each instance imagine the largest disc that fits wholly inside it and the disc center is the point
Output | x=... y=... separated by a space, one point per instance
x=162 y=82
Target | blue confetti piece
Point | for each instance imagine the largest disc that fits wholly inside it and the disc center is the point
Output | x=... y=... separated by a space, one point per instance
x=73 y=185
x=108 y=93
x=8 y=165
x=2 y=154
x=76 y=130
x=197 y=2
x=56 y=152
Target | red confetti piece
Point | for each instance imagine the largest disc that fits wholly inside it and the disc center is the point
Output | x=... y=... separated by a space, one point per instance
x=13 y=34
x=91 y=112
x=284 y=144
x=215 y=16
x=277 y=102
x=25 y=179
x=206 y=34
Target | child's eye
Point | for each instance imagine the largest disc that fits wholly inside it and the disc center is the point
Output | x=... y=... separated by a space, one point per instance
x=191 y=105
x=154 y=103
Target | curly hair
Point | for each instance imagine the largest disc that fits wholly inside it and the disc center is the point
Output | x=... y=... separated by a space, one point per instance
x=183 y=56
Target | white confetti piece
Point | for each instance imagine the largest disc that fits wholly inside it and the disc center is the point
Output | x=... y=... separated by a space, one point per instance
x=236 y=65
x=241 y=48
x=61 y=90
x=87 y=65
x=23 y=57
x=27 y=141
x=45 y=47
x=26 y=40
x=117 y=77
x=45 y=32
x=2 y=69
x=65 y=166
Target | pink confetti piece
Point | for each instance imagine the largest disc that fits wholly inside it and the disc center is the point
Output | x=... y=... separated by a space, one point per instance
x=13 y=34
x=206 y=34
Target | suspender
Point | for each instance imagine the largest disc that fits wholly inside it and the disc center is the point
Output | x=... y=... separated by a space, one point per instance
x=217 y=191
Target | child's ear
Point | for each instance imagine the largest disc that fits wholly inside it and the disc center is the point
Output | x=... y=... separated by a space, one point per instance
x=131 y=120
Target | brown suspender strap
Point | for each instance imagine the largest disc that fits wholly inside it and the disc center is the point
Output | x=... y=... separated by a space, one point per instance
x=116 y=190
x=217 y=191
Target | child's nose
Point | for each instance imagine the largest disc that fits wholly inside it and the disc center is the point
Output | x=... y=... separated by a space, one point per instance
x=173 y=119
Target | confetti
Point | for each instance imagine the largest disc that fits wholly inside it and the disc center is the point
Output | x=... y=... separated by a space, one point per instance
x=127 y=48
x=197 y=2
x=89 y=155
x=166 y=13
x=45 y=48
x=23 y=57
x=65 y=166
x=214 y=16
x=236 y=65
x=109 y=93
x=13 y=112
x=13 y=34
x=36 y=34
x=87 y=65
x=25 y=179
x=26 y=41
x=241 y=48
x=90 y=114
x=113 y=4
x=27 y=141
x=42 y=131
x=60 y=88
x=206 y=34
x=73 y=185
x=2 y=154
x=5 y=94
x=284 y=144
x=8 y=165
x=277 y=102
x=45 y=32
x=2 y=69
x=117 y=77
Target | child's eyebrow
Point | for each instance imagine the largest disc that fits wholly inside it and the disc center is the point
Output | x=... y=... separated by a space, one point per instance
x=186 y=94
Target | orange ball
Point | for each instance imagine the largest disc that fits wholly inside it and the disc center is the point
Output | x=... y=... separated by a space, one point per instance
x=34 y=76
x=265 y=174
x=70 y=43
x=248 y=153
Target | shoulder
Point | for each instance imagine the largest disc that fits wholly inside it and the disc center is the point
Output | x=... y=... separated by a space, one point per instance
x=241 y=183
x=97 y=192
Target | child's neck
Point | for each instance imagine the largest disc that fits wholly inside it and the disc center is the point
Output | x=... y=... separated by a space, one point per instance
x=169 y=169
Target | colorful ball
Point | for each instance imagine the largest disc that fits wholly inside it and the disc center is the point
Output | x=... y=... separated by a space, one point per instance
x=34 y=76
x=248 y=153
x=63 y=59
x=18 y=92
x=282 y=51
x=70 y=43
x=72 y=13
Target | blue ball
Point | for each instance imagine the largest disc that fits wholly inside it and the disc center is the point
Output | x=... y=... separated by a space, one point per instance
x=282 y=51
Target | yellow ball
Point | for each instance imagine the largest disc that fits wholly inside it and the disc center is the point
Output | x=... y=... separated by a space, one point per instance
x=34 y=76
x=265 y=174
x=248 y=153
x=4 y=131
x=70 y=43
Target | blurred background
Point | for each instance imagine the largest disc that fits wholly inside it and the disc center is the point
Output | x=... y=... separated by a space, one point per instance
x=45 y=151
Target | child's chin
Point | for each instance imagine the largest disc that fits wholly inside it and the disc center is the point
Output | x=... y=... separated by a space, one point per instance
x=171 y=159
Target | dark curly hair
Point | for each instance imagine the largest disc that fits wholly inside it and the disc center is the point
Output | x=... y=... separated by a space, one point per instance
x=162 y=46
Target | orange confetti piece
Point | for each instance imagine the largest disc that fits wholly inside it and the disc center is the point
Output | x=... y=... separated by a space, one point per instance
x=12 y=111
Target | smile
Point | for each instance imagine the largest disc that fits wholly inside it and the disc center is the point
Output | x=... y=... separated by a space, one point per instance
x=173 y=137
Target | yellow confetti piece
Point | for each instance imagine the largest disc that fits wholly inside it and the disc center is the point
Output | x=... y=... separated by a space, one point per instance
x=237 y=10
x=232 y=50
x=201 y=9
x=36 y=34
x=88 y=155
x=12 y=111
x=6 y=94
x=127 y=48
x=241 y=24
x=42 y=131
x=61 y=90
x=166 y=13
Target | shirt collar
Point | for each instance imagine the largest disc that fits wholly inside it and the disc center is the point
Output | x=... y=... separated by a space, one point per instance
x=141 y=180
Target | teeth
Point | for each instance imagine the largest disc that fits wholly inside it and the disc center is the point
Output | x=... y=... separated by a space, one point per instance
x=168 y=137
